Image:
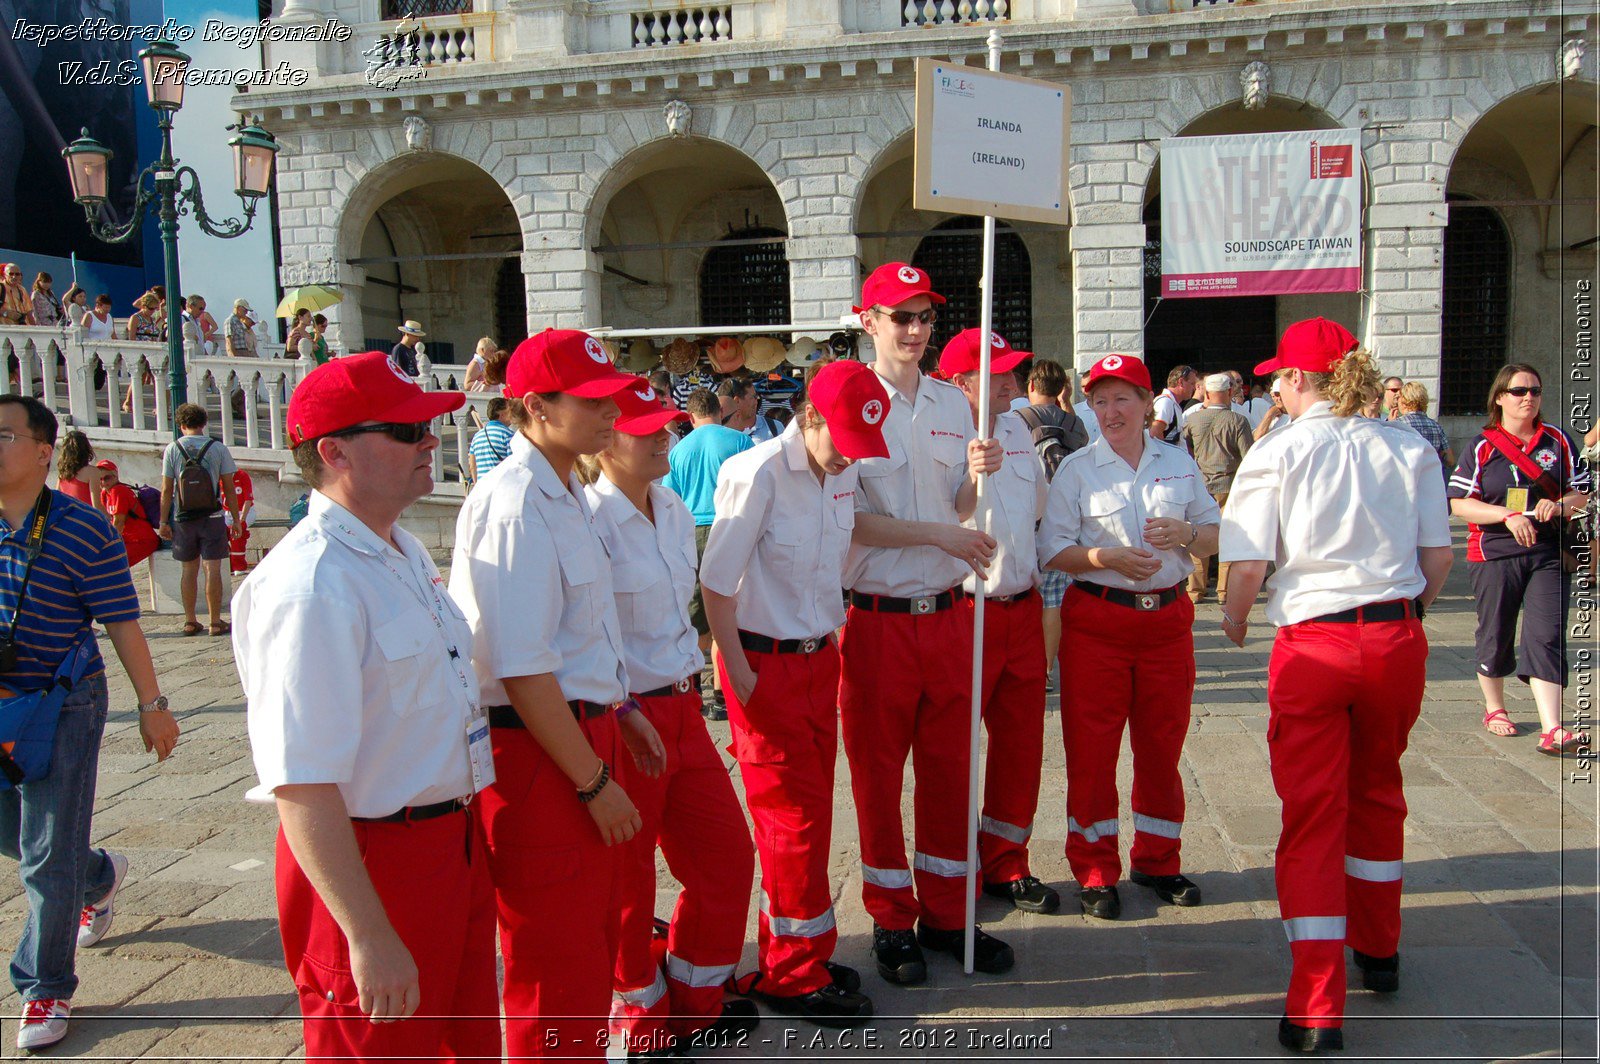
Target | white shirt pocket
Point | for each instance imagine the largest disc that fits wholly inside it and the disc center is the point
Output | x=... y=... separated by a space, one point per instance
x=415 y=679
x=1104 y=513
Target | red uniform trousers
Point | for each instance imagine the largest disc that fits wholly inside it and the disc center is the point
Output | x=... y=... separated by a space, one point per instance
x=559 y=891
x=786 y=739
x=692 y=812
x=1343 y=700
x=238 y=540
x=1014 y=672
x=434 y=883
x=907 y=689
x=1122 y=667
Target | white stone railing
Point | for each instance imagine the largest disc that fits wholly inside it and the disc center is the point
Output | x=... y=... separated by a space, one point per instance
x=952 y=12
x=441 y=41
x=86 y=383
x=682 y=25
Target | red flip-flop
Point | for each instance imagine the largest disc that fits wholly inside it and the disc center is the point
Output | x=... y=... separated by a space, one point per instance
x=1558 y=742
x=1493 y=716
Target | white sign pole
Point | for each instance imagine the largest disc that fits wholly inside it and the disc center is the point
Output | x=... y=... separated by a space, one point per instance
x=981 y=521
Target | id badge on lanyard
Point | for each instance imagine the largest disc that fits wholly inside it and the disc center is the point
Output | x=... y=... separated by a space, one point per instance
x=479 y=750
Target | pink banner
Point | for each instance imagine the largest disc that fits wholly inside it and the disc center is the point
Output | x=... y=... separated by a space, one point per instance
x=1263 y=283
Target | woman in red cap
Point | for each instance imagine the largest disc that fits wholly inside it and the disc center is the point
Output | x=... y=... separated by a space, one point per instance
x=1351 y=512
x=771 y=577
x=1125 y=516
x=534 y=580
x=121 y=504
x=686 y=801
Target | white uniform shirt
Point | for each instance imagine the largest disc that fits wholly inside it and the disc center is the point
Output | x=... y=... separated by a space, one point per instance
x=1097 y=501
x=1254 y=409
x=1086 y=415
x=652 y=568
x=780 y=539
x=919 y=481
x=1341 y=504
x=1015 y=498
x=533 y=578
x=354 y=665
x=1169 y=412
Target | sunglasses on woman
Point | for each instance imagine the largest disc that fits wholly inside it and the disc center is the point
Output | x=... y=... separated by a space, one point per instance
x=399 y=431
x=903 y=318
x=1521 y=390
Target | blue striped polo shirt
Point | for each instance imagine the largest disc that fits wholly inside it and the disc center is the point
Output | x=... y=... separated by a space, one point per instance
x=81 y=575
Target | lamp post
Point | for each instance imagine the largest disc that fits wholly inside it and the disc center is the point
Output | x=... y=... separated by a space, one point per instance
x=175 y=191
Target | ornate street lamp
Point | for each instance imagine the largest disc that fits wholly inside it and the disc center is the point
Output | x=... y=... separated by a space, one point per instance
x=175 y=191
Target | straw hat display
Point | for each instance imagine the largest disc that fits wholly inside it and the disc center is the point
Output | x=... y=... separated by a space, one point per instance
x=804 y=351
x=640 y=357
x=680 y=357
x=727 y=354
x=762 y=353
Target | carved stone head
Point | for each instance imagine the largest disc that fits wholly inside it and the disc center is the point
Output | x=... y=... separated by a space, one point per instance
x=419 y=135
x=1572 y=52
x=1256 y=80
x=677 y=115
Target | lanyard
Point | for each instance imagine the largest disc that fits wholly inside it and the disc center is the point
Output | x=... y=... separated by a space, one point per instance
x=35 y=546
x=435 y=612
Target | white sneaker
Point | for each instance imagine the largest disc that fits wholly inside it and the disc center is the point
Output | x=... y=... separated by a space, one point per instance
x=44 y=1022
x=96 y=919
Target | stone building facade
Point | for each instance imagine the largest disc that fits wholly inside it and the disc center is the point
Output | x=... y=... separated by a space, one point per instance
x=553 y=162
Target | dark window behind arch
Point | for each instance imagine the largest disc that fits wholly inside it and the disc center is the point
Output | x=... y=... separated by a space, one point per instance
x=954 y=261
x=745 y=284
x=510 y=304
x=1477 y=266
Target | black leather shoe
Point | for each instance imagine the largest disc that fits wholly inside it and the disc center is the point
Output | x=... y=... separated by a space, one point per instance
x=1027 y=894
x=1378 y=974
x=1102 y=903
x=716 y=709
x=1176 y=889
x=844 y=977
x=989 y=954
x=1309 y=1039
x=827 y=1007
x=899 y=957
x=736 y=1016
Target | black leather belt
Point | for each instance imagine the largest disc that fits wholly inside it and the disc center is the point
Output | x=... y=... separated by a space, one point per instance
x=1398 y=610
x=682 y=687
x=506 y=716
x=763 y=644
x=926 y=604
x=1134 y=600
x=417 y=812
x=1006 y=599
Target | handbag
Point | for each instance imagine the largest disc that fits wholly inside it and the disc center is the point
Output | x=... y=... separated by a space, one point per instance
x=1502 y=441
x=28 y=720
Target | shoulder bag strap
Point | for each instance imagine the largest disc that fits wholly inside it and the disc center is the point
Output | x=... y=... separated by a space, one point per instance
x=1502 y=441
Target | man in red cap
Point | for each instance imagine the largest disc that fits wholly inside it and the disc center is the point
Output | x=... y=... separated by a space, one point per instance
x=1360 y=547
x=367 y=733
x=907 y=648
x=775 y=561
x=1014 y=663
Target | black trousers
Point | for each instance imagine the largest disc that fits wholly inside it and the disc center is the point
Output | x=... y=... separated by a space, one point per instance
x=1536 y=586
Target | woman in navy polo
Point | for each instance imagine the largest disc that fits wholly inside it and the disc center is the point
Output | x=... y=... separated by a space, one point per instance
x=1516 y=485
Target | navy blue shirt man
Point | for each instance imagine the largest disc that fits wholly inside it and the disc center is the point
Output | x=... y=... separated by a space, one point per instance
x=80 y=576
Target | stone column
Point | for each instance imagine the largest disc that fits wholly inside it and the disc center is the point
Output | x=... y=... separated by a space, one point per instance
x=1107 y=289
x=1402 y=320
x=824 y=276
x=563 y=283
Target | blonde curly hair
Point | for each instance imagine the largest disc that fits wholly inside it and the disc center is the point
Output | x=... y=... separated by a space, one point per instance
x=1352 y=385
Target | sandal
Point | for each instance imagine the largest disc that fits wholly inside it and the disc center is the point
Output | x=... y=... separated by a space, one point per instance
x=193 y=628
x=1499 y=718
x=1558 y=742
x=221 y=628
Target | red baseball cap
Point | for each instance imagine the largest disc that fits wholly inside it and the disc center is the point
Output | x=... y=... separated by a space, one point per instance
x=566 y=361
x=1315 y=345
x=644 y=411
x=1119 y=367
x=895 y=282
x=107 y=464
x=960 y=355
x=357 y=388
x=854 y=403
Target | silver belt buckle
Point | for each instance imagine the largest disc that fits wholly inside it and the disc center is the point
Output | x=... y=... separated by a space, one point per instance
x=809 y=646
x=923 y=605
x=682 y=686
x=1148 y=602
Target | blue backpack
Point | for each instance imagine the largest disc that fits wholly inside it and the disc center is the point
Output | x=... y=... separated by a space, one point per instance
x=28 y=720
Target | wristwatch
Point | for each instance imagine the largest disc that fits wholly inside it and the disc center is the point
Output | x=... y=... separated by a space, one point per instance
x=158 y=704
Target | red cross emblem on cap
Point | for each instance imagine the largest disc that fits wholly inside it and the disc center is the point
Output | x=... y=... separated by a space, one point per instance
x=648 y=394
x=910 y=276
x=1111 y=362
x=398 y=372
x=997 y=341
x=872 y=413
x=595 y=349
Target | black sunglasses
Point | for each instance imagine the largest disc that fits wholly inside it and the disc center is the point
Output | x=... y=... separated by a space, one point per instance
x=1520 y=390
x=906 y=317
x=399 y=431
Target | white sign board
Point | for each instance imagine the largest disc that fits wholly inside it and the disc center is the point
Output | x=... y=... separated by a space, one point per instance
x=1255 y=214
x=990 y=144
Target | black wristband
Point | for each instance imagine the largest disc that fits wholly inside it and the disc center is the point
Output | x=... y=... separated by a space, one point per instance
x=594 y=792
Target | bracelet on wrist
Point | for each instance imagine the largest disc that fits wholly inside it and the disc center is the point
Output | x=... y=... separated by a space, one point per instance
x=598 y=772
x=591 y=792
x=1229 y=622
